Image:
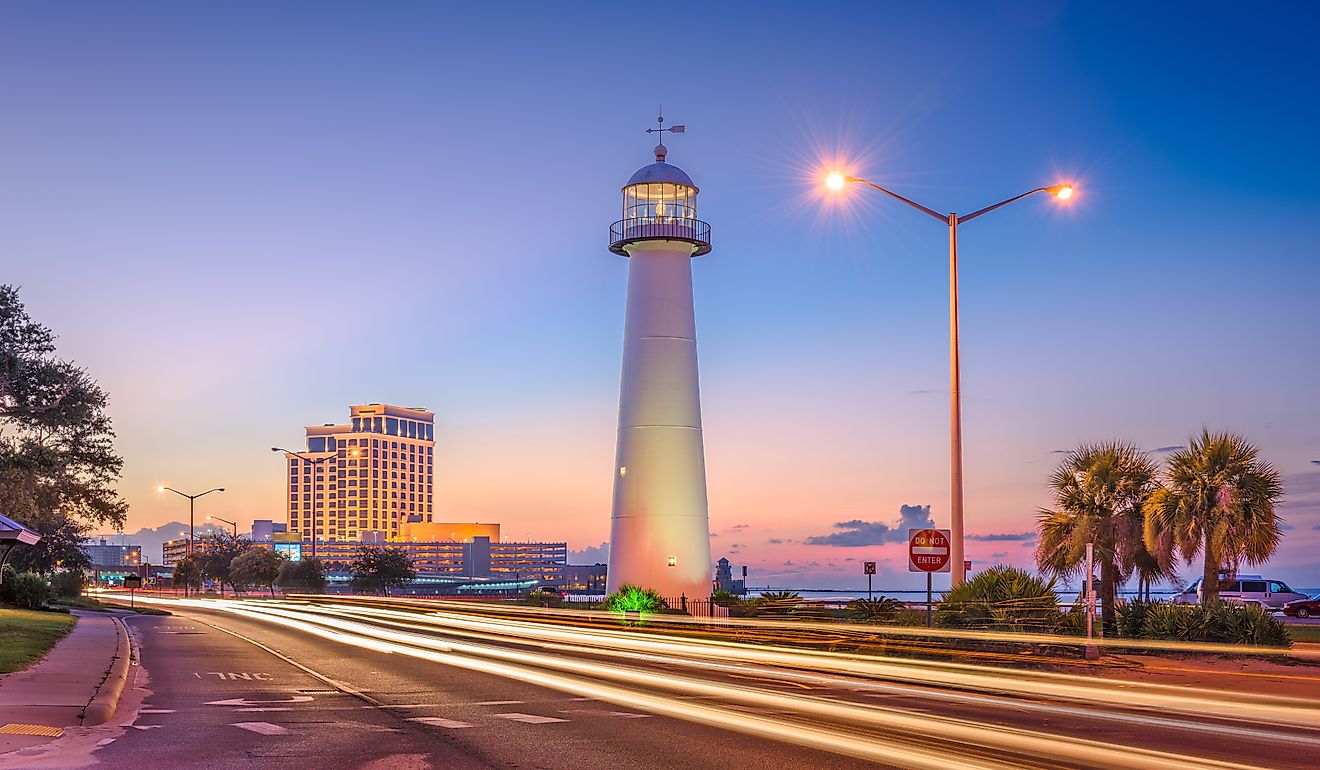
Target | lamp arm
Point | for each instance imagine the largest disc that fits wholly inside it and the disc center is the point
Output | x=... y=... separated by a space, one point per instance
x=988 y=209
x=942 y=217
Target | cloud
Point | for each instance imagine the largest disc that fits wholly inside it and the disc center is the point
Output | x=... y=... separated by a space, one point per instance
x=1285 y=526
x=737 y=527
x=858 y=533
x=1315 y=462
x=998 y=536
x=592 y=554
x=1167 y=449
x=999 y=555
x=1058 y=451
x=774 y=541
x=925 y=392
x=1316 y=526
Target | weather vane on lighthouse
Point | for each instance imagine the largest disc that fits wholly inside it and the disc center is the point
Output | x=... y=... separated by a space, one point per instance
x=678 y=128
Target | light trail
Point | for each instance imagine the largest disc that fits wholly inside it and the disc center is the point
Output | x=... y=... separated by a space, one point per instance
x=905 y=738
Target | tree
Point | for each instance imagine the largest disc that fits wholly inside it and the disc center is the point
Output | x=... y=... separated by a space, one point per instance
x=57 y=459
x=1218 y=499
x=188 y=573
x=379 y=569
x=60 y=546
x=305 y=576
x=255 y=567
x=217 y=552
x=1098 y=491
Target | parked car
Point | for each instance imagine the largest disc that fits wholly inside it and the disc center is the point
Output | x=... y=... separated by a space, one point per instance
x=1245 y=589
x=1303 y=608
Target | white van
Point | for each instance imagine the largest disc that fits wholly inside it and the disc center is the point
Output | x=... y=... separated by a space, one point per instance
x=1245 y=589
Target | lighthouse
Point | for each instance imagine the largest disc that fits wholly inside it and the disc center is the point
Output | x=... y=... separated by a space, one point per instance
x=659 y=528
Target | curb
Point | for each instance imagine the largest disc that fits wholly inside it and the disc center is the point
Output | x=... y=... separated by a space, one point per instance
x=103 y=704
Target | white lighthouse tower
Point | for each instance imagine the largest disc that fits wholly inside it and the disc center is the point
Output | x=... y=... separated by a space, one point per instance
x=659 y=530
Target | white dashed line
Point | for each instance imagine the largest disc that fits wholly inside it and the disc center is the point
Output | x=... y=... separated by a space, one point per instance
x=155 y=711
x=265 y=728
x=531 y=719
x=440 y=722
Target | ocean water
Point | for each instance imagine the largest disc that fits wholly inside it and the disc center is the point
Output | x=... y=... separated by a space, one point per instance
x=1066 y=595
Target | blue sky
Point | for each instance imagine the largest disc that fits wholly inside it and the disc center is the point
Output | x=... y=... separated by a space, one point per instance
x=243 y=218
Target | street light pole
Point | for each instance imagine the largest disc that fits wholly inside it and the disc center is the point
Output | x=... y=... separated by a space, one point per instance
x=952 y=220
x=315 y=504
x=192 y=505
x=227 y=521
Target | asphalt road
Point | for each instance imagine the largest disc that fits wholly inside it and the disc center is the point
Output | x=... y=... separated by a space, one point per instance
x=360 y=689
x=219 y=700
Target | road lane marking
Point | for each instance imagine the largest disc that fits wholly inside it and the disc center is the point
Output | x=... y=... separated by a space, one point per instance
x=265 y=728
x=258 y=708
x=531 y=719
x=155 y=711
x=246 y=702
x=147 y=727
x=499 y=703
x=452 y=724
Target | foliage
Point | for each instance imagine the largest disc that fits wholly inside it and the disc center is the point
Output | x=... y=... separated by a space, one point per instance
x=1218 y=622
x=882 y=609
x=57 y=459
x=306 y=576
x=1132 y=617
x=188 y=573
x=380 y=569
x=542 y=598
x=67 y=584
x=255 y=567
x=1001 y=598
x=725 y=598
x=631 y=598
x=776 y=603
x=60 y=546
x=1218 y=500
x=27 y=591
x=28 y=635
x=1098 y=491
x=217 y=552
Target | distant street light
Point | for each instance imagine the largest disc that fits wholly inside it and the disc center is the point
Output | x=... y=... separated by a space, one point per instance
x=226 y=521
x=1062 y=192
x=315 y=497
x=192 y=500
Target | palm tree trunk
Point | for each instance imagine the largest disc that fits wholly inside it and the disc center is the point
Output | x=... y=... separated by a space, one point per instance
x=1209 y=576
x=1108 y=590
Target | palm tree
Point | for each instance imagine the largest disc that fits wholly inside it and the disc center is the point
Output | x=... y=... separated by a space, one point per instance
x=1098 y=494
x=1218 y=499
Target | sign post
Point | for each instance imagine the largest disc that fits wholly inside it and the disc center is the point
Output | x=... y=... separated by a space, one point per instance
x=868 y=567
x=132 y=582
x=928 y=552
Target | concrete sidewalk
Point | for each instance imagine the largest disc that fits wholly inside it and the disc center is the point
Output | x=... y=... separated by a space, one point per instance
x=80 y=672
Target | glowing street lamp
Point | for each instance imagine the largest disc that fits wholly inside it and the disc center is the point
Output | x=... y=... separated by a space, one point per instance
x=1063 y=192
x=226 y=521
x=315 y=461
x=192 y=500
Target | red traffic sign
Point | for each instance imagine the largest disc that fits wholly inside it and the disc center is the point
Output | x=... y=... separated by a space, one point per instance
x=868 y=568
x=928 y=550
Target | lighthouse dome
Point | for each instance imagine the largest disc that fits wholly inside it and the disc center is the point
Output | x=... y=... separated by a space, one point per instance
x=662 y=173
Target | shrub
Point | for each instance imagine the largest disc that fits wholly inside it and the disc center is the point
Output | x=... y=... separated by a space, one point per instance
x=1001 y=599
x=306 y=576
x=7 y=575
x=631 y=598
x=882 y=609
x=1220 y=622
x=542 y=598
x=1132 y=616
x=776 y=603
x=725 y=598
x=29 y=591
x=68 y=584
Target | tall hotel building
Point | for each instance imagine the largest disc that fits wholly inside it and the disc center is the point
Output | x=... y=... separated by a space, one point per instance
x=365 y=479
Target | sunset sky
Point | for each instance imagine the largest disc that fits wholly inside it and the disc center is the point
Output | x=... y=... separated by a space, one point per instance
x=242 y=218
